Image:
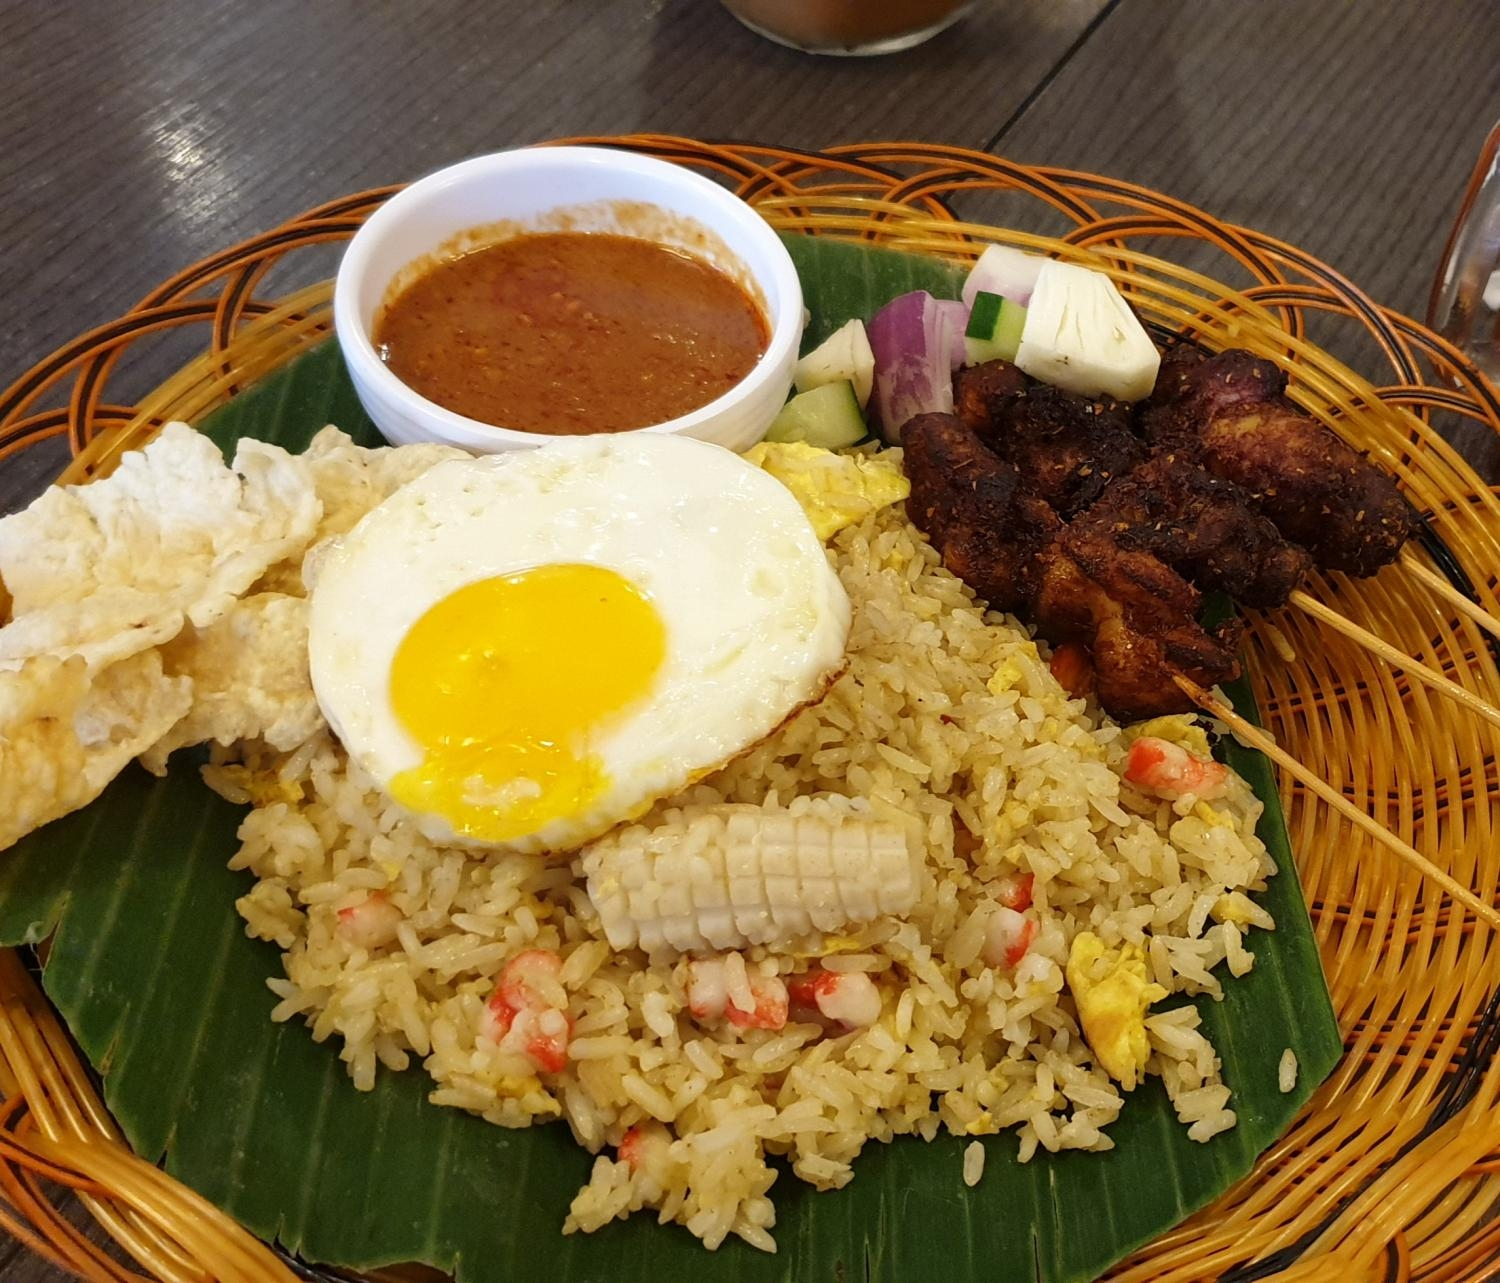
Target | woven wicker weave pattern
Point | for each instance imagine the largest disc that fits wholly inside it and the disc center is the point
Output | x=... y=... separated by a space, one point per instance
x=1393 y=1171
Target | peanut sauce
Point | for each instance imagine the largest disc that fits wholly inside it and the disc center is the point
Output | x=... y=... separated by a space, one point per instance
x=571 y=332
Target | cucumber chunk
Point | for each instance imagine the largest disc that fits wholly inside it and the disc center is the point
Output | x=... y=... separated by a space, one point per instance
x=844 y=354
x=994 y=330
x=827 y=416
x=984 y=315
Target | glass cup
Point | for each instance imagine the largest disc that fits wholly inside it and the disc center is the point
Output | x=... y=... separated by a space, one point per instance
x=1465 y=305
x=848 y=27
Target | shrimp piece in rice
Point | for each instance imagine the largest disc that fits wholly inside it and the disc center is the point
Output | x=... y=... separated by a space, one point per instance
x=527 y=1014
x=1169 y=770
x=850 y=999
x=711 y=996
x=372 y=923
x=1007 y=936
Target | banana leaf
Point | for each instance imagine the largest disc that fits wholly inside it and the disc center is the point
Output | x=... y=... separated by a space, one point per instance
x=153 y=972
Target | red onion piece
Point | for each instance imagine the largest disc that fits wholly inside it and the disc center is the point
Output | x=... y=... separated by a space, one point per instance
x=954 y=317
x=917 y=341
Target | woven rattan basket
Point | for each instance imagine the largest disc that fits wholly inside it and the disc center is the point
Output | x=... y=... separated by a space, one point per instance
x=1393 y=1170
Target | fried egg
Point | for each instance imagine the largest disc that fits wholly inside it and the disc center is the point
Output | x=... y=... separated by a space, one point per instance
x=525 y=649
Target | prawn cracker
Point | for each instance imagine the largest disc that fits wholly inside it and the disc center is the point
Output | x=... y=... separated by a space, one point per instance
x=348 y=480
x=171 y=520
x=114 y=623
x=64 y=734
x=249 y=678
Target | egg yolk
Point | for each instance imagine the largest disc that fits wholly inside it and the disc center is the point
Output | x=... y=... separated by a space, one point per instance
x=506 y=685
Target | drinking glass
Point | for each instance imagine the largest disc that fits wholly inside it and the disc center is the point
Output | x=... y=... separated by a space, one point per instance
x=855 y=27
x=1465 y=305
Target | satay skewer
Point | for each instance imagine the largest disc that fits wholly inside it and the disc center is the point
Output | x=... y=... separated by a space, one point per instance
x=1431 y=579
x=1173 y=517
x=1397 y=658
x=1253 y=737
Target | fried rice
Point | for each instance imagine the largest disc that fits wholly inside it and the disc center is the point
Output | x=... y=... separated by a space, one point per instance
x=946 y=721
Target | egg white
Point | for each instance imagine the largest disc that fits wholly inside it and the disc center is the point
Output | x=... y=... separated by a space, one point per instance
x=756 y=618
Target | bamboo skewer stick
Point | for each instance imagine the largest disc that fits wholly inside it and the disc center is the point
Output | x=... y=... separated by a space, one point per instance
x=1396 y=658
x=1254 y=737
x=1431 y=579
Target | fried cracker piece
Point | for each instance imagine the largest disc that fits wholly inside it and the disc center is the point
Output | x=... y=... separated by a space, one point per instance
x=349 y=481
x=172 y=521
x=112 y=624
x=249 y=679
x=64 y=734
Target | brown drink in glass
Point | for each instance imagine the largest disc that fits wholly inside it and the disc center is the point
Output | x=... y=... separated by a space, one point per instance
x=848 y=26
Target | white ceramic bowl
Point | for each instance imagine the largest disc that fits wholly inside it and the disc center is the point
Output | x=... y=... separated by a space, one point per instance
x=564 y=188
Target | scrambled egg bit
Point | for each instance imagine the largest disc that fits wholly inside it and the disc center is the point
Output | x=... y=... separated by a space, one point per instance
x=1178 y=728
x=1009 y=672
x=835 y=490
x=1113 y=994
x=1240 y=909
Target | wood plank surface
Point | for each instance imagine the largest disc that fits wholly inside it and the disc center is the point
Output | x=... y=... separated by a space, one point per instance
x=139 y=138
x=1346 y=129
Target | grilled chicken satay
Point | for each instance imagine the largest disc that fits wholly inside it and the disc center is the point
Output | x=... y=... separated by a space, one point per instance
x=1067 y=448
x=971 y=504
x=1226 y=381
x=1078 y=453
x=1141 y=625
x=1203 y=527
x=981 y=394
x=1045 y=501
x=1229 y=411
x=1135 y=613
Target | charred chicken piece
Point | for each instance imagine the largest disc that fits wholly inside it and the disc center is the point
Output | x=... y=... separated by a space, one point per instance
x=1203 y=527
x=1338 y=505
x=972 y=506
x=1137 y=617
x=1134 y=613
x=982 y=392
x=1227 y=410
x=1191 y=380
x=1133 y=670
x=1066 y=447
x=1178 y=360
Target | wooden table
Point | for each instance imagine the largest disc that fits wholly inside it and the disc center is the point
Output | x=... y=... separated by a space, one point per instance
x=139 y=138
